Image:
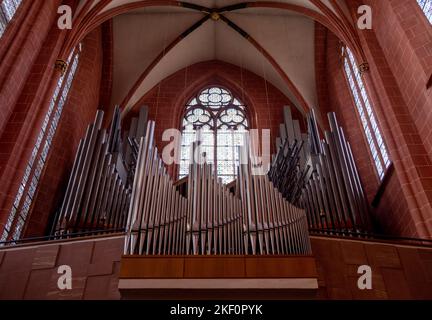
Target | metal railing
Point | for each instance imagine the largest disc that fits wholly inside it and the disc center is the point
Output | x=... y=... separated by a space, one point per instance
x=56 y=237
x=351 y=235
x=357 y=235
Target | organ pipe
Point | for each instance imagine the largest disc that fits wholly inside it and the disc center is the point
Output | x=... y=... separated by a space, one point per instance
x=211 y=219
x=99 y=188
x=327 y=185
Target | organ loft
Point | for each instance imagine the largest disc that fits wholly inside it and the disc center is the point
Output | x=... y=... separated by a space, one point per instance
x=209 y=149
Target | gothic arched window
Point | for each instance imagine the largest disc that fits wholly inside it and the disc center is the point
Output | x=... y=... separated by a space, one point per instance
x=220 y=120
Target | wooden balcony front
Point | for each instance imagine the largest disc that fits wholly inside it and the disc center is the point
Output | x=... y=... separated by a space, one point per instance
x=218 y=277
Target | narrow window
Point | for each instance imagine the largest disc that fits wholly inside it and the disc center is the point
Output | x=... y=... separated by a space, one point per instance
x=221 y=119
x=24 y=198
x=8 y=8
x=426 y=6
x=363 y=105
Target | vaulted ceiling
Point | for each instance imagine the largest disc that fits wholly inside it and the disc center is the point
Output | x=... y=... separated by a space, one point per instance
x=289 y=39
x=154 y=39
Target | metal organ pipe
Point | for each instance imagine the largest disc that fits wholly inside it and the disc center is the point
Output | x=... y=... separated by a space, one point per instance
x=99 y=189
x=328 y=185
x=211 y=220
x=120 y=182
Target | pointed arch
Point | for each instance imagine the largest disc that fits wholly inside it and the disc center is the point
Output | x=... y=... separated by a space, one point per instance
x=217 y=118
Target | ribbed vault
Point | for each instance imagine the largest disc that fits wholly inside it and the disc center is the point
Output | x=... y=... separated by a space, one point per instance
x=274 y=39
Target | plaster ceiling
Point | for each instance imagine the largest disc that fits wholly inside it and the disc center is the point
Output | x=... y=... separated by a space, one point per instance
x=272 y=38
x=141 y=35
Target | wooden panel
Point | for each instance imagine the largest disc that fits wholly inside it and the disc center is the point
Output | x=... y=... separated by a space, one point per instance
x=281 y=267
x=218 y=277
x=214 y=267
x=151 y=267
x=45 y=257
x=201 y=267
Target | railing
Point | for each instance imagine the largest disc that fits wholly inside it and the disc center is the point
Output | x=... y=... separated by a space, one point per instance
x=353 y=235
x=313 y=232
x=65 y=236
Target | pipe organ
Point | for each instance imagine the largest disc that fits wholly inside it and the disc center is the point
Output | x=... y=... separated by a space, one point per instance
x=119 y=183
x=333 y=197
x=211 y=220
x=99 y=189
x=157 y=214
x=327 y=184
x=273 y=224
x=215 y=222
x=286 y=173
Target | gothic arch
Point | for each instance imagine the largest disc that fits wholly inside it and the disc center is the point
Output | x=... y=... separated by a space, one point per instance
x=216 y=73
x=89 y=18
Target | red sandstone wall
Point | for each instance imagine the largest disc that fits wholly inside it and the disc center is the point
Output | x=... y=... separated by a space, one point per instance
x=24 y=102
x=167 y=99
x=78 y=112
x=341 y=102
x=398 y=52
x=392 y=215
x=20 y=46
x=107 y=68
x=405 y=37
x=399 y=272
x=321 y=74
x=31 y=273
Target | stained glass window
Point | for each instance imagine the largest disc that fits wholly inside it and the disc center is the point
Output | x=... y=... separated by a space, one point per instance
x=35 y=165
x=426 y=6
x=367 y=116
x=218 y=120
x=8 y=8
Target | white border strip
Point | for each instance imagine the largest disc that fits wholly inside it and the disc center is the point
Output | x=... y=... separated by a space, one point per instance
x=214 y=284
